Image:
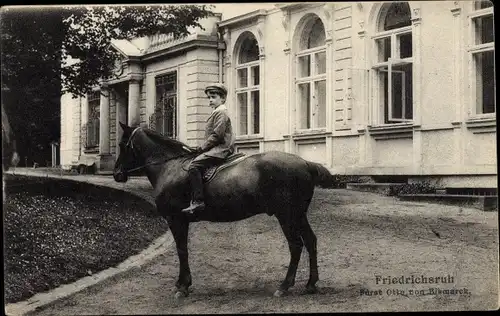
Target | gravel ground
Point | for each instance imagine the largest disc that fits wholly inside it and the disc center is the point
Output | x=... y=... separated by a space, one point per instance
x=237 y=266
x=56 y=239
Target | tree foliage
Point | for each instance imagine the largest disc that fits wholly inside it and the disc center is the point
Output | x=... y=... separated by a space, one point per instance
x=31 y=41
x=91 y=29
x=36 y=42
x=51 y=35
x=31 y=85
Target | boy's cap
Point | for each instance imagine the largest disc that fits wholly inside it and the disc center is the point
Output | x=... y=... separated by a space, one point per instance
x=217 y=87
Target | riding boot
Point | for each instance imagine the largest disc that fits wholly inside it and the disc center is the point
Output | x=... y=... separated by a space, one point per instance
x=197 y=201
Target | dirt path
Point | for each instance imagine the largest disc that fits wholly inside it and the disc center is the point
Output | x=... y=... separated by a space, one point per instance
x=237 y=266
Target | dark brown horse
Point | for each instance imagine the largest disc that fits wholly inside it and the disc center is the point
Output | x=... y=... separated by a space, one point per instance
x=275 y=183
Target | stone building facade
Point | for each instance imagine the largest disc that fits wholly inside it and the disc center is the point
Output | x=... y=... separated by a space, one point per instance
x=381 y=89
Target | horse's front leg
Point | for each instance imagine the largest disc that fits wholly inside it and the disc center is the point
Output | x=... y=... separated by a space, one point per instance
x=179 y=226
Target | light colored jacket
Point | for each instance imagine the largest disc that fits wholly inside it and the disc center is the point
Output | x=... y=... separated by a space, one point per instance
x=219 y=138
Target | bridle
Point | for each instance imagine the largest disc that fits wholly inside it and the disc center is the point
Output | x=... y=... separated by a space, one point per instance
x=130 y=146
x=129 y=143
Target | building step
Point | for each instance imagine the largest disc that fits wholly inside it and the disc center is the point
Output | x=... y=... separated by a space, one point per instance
x=104 y=173
x=382 y=188
x=484 y=203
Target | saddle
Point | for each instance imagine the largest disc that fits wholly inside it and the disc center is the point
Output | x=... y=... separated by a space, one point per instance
x=229 y=161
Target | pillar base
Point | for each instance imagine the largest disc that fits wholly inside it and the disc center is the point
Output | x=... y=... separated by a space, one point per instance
x=105 y=162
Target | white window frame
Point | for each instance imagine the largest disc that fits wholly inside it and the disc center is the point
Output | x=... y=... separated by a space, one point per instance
x=93 y=101
x=172 y=95
x=248 y=91
x=312 y=79
x=403 y=93
x=472 y=50
x=391 y=62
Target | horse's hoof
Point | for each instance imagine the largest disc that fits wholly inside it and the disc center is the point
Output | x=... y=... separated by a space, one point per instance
x=179 y=295
x=310 y=290
x=279 y=293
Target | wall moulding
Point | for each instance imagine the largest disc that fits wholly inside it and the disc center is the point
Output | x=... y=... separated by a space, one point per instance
x=287 y=46
x=392 y=131
x=415 y=17
x=329 y=36
x=481 y=125
x=285 y=19
x=328 y=9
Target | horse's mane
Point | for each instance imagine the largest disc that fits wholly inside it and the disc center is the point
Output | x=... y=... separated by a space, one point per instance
x=173 y=145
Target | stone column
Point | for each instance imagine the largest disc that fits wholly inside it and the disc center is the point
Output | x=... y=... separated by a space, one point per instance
x=76 y=136
x=361 y=111
x=417 y=83
x=330 y=77
x=104 y=122
x=104 y=161
x=134 y=106
x=459 y=131
x=201 y=71
x=290 y=113
x=121 y=116
x=262 y=80
x=228 y=74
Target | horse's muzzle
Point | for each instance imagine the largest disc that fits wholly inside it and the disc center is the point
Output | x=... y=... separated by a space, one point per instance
x=120 y=176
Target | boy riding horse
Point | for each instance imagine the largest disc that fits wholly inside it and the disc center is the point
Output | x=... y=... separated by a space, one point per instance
x=219 y=144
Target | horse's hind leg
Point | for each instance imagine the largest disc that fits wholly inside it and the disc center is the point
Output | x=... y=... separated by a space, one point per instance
x=310 y=242
x=295 y=244
x=179 y=226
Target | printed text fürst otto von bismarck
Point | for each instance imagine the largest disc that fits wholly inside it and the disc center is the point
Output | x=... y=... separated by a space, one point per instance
x=419 y=285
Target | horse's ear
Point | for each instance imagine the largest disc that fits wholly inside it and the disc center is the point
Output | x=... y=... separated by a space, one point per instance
x=124 y=126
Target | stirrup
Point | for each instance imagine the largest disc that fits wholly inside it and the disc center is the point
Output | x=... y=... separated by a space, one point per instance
x=194 y=206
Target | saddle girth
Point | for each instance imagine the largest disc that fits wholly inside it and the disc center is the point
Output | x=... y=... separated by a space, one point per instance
x=233 y=159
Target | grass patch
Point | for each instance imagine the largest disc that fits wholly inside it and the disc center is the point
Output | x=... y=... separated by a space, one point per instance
x=58 y=231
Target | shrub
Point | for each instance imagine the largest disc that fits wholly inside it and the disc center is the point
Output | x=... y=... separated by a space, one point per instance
x=340 y=181
x=423 y=187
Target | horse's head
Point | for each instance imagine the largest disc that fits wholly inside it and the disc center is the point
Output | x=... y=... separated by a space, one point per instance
x=127 y=159
x=137 y=145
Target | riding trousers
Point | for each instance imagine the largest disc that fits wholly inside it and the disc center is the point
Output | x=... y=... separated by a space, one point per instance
x=196 y=169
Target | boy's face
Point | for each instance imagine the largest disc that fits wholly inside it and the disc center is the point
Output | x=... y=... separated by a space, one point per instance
x=214 y=99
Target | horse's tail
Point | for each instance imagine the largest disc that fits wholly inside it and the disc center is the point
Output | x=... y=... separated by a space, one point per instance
x=321 y=176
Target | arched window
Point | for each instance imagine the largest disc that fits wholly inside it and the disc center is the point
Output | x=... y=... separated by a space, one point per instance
x=249 y=50
x=397 y=16
x=482 y=53
x=393 y=64
x=248 y=86
x=316 y=36
x=311 y=75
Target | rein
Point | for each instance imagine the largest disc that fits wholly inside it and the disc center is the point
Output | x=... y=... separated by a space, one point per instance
x=131 y=146
x=150 y=164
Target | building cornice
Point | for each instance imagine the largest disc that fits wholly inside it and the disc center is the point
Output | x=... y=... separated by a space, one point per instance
x=244 y=18
x=132 y=59
x=291 y=6
x=199 y=41
x=125 y=78
x=119 y=49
